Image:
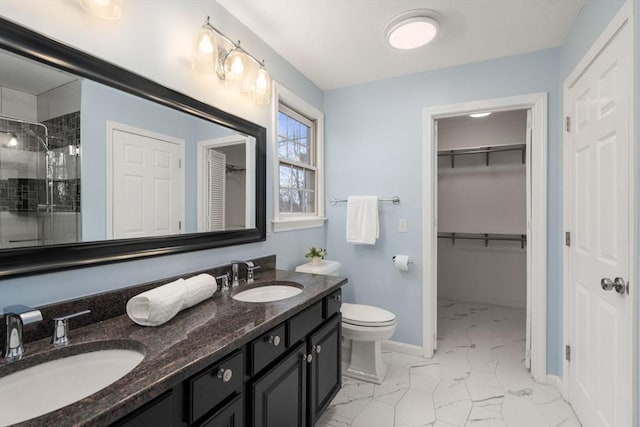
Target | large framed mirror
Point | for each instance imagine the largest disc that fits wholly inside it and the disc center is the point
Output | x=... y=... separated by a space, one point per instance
x=99 y=164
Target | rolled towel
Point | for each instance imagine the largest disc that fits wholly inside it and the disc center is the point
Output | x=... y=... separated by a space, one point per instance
x=158 y=305
x=198 y=289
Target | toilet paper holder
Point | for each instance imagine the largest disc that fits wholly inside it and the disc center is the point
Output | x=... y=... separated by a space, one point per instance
x=393 y=258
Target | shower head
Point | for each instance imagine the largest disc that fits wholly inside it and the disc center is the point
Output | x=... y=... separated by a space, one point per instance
x=40 y=140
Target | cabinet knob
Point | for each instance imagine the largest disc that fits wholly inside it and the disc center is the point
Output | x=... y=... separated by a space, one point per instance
x=307 y=358
x=338 y=297
x=225 y=374
x=317 y=348
x=275 y=340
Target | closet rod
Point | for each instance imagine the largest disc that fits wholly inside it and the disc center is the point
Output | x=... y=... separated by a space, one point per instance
x=483 y=150
x=395 y=200
x=522 y=238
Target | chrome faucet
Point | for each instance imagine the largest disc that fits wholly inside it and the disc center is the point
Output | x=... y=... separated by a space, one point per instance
x=234 y=272
x=16 y=317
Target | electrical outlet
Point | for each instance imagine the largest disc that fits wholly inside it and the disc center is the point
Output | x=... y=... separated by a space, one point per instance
x=402 y=225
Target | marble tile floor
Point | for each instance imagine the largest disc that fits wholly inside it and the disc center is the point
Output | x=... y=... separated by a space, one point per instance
x=476 y=378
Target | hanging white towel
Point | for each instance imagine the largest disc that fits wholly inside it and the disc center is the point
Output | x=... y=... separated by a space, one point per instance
x=159 y=305
x=362 y=220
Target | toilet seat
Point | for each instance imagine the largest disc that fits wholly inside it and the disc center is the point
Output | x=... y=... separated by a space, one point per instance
x=366 y=315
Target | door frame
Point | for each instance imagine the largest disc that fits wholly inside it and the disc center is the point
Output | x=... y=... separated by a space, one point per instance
x=623 y=17
x=115 y=126
x=536 y=163
x=201 y=162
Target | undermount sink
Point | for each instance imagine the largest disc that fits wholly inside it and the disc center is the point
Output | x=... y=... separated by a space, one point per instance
x=51 y=385
x=274 y=291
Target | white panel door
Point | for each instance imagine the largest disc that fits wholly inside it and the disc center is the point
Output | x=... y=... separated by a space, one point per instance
x=147 y=175
x=600 y=369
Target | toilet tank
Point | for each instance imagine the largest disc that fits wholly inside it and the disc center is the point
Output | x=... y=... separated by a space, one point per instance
x=326 y=267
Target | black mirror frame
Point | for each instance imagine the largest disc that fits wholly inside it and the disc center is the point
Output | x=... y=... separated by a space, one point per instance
x=41 y=259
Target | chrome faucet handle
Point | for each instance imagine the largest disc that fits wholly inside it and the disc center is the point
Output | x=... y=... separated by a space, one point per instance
x=224 y=282
x=61 y=327
x=250 y=271
x=234 y=271
x=15 y=318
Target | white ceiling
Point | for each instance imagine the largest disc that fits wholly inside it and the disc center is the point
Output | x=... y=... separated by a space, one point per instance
x=28 y=76
x=338 y=43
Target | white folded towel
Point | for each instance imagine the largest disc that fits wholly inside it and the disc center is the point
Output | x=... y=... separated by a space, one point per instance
x=159 y=305
x=362 y=220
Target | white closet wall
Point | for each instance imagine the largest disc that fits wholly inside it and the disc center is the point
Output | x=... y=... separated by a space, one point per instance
x=476 y=198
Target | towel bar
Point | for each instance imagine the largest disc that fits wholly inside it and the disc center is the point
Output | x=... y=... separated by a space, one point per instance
x=395 y=200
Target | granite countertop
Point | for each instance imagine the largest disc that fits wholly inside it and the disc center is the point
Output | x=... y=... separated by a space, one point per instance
x=188 y=343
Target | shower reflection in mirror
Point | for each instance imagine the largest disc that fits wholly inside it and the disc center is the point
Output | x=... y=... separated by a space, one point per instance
x=40 y=179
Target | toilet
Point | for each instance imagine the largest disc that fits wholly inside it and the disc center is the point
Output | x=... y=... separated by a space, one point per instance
x=364 y=328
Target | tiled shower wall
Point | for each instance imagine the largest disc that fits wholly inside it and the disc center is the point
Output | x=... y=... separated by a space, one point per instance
x=25 y=219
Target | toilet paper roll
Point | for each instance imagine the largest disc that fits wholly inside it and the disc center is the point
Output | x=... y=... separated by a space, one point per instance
x=401 y=262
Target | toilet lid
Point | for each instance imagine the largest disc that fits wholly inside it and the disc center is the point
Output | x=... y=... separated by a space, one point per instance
x=366 y=315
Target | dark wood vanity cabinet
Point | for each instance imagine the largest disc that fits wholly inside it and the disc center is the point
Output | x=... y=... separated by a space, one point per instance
x=325 y=369
x=285 y=378
x=297 y=390
x=279 y=397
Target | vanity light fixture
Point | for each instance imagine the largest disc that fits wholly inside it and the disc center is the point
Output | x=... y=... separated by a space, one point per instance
x=478 y=115
x=413 y=28
x=215 y=52
x=106 y=9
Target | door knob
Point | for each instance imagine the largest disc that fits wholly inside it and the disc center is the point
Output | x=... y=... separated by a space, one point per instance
x=606 y=283
x=618 y=284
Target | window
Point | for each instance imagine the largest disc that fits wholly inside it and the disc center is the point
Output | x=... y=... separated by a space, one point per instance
x=298 y=157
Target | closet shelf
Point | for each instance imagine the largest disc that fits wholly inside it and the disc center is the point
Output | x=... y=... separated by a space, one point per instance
x=522 y=238
x=485 y=149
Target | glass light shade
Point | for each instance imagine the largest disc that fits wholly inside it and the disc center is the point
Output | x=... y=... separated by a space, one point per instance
x=13 y=141
x=106 y=9
x=205 y=51
x=412 y=29
x=235 y=65
x=262 y=87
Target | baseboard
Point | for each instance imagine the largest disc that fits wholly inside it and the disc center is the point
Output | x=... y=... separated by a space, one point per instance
x=400 y=347
x=559 y=384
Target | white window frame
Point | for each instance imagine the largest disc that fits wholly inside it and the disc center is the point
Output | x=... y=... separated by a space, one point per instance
x=286 y=221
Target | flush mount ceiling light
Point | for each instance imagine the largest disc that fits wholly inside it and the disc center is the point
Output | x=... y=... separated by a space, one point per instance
x=478 y=115
x=413 y=28
x=106 y=9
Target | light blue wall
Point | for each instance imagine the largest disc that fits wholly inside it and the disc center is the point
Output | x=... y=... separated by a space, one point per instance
x=99 y=104
x=374 y=146
x=163 y=55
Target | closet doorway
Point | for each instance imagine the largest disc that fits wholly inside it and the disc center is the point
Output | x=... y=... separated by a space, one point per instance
x=485 y=226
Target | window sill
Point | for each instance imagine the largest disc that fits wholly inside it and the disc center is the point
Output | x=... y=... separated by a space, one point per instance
x=297 y=223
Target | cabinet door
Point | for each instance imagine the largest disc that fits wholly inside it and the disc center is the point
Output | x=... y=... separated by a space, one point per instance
x=229 y=416
x=325 y=377
x=158 y=412
x=279 y=396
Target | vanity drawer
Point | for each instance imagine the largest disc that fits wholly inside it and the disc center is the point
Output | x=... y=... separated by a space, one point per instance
x=304 y=322
x=267 y=348
x=332 y=303
x=213 y=385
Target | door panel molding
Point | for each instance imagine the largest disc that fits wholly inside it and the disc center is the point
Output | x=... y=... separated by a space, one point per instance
x=623 y=19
